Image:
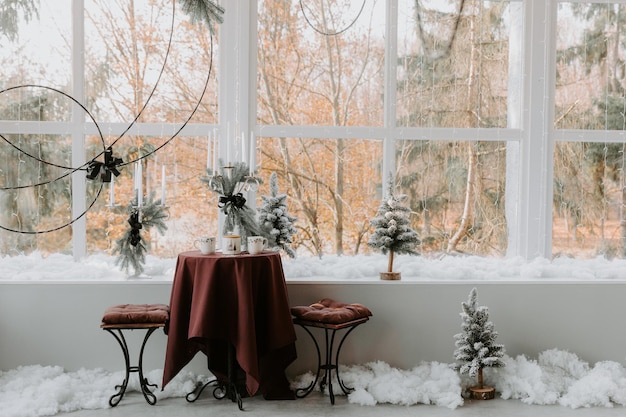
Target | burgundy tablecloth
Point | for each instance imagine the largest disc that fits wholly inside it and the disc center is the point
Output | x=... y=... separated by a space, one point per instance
x=218 y=299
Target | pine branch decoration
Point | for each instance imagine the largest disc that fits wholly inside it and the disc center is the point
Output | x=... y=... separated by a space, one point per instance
x=275 y=222
x=232 y=202
x=131 y=248
x=206 y=11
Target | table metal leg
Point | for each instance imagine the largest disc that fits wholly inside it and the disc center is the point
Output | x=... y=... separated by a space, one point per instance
x=227 y=389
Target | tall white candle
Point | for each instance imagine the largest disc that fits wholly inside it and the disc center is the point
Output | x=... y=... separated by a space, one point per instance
x=252 y=153
x=244 y=148
x=139 y=184
x=215 y=158
x=228 y=144
x=112 y=191
x=163 y=184
x=208 y=151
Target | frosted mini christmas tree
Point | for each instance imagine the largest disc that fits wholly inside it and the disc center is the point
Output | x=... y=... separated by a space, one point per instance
x=476 y=345
x=392 y=233
x=275 y=222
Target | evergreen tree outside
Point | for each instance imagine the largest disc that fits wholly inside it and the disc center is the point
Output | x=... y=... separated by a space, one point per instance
x=476 y=344
x=275 y=222
x=393 y=233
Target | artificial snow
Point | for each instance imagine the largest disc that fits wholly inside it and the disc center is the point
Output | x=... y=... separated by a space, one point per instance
x=33 y=391
x=556 y=377
x=98 y=267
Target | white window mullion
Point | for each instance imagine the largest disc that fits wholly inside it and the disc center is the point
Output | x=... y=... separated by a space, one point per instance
x=391 y=58
x=536 y=150
x=79 y=188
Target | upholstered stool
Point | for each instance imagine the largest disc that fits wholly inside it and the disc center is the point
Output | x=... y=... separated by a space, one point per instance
x=331 y=316
x=132 y=317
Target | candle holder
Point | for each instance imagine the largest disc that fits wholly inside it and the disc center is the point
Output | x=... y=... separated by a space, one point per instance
x=229 y=184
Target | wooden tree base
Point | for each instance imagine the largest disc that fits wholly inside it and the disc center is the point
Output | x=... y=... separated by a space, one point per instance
x=484 y=393
x=390 y=276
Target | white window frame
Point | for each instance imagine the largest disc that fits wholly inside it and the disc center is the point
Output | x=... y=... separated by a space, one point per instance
x=529 y=134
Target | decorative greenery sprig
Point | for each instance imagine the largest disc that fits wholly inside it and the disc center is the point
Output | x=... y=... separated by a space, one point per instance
x=130 y=248
x=228 y=185
x=204 y=11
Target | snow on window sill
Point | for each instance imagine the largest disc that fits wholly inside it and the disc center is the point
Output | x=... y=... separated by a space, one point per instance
x=330 y=269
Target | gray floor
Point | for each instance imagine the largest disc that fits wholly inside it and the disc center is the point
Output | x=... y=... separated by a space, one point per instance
x=316 y=405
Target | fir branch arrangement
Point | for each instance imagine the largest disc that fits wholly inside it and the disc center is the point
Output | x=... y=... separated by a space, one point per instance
x=475 y=345
x=392 y=232
x=228 y=186
x=275 y=222
x=206 y=11
x=130 y=247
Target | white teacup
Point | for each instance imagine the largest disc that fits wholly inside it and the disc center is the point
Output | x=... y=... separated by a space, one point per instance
x=256 y=244
x=231 y=244
x=206 y=245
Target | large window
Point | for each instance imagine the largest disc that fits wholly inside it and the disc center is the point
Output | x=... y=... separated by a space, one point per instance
x=503 y=122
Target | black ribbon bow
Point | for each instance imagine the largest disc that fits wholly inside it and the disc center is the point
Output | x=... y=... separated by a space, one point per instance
x=236 y=200
x=105 y=169
x=136 y=226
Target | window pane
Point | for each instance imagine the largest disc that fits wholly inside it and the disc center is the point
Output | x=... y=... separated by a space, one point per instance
x=35 y=50
x=191 y=208
x=333 y=188
x=463 y=84
x=589 y=200
x=456 y=193
x=307 y=78
x=590 y=76
x=132 y=69
x=35 y=195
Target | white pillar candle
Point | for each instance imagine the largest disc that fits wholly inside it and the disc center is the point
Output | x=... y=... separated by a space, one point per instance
x=112 y=191
x=252 y=153
x=139 y=183
x=244 y=148
x=163 y=184
x=208 y=151
x=215 y=158
x=228 y=144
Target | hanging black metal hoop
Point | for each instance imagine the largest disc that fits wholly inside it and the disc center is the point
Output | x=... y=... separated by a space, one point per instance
x=84 y=166
x=71 y=169
x=339 y=32
x=448 y=47
x=71 y=222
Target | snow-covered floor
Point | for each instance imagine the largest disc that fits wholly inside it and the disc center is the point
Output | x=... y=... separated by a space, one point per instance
x=554 y=383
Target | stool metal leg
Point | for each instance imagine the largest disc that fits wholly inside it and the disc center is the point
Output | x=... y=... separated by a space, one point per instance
x=345 y=389
x=303 y=392
x=143 y=382
x=329 y=365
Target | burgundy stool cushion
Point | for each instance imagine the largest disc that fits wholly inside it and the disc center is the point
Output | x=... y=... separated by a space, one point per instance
x=136 y=313
x=331 y=311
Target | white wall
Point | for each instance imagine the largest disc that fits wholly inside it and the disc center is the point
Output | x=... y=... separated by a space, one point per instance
x=58 y=323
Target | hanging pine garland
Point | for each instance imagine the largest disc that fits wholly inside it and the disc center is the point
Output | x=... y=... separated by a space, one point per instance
x=131 y=248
